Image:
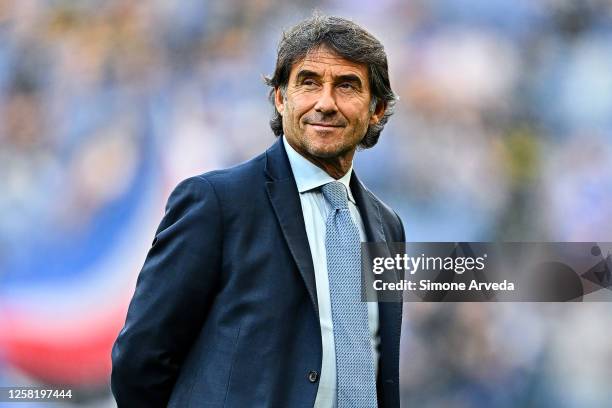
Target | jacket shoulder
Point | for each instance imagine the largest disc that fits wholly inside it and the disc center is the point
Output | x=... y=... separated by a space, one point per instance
x=238 y=179
x=236 y=174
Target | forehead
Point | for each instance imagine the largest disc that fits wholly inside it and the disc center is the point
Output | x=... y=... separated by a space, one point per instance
x=325 y=61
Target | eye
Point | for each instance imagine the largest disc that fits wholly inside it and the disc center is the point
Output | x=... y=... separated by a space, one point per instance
x=309 y=82
x=346 y=85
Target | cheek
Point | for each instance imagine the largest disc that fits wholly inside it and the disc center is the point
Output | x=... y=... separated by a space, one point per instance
x=358 y=119
x=302 y=103
x=292 y=111
x=290 y=116
x=356 y=111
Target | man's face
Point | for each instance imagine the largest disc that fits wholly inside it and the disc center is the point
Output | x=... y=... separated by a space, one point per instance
x=326 y=108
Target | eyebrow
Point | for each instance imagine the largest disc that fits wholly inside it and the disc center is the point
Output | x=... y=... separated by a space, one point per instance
x=306 y=73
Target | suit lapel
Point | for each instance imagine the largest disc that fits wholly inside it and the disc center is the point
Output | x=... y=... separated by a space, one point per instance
x=369 y=211
x=389 y=313
x=285 y=199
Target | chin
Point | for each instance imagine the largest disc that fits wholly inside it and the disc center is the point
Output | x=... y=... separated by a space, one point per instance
x=327 y=150
x=325 y=154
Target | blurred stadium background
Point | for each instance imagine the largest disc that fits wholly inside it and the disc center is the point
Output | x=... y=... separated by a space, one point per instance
x=503 y=132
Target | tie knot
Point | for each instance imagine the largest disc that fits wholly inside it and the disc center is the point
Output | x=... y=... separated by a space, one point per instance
x=335 y=194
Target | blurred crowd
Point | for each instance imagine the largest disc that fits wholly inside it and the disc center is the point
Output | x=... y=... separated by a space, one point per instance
x=503 y=131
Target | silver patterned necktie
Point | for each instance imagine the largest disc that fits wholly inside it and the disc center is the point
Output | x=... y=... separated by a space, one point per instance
x=356 y=379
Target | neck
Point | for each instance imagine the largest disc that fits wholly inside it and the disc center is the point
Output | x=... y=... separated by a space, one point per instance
x=336 y=167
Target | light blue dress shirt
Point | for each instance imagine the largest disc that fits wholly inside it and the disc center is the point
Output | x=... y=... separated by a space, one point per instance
x=309 y=178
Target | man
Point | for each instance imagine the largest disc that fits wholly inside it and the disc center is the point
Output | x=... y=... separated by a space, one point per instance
x=250 y=294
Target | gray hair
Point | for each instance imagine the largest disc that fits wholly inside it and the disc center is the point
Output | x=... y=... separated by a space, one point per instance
x=350 y=42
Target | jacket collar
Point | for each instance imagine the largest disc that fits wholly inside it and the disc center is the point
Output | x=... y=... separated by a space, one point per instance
x=285 y=199
x=278 y=169
x=284 y=196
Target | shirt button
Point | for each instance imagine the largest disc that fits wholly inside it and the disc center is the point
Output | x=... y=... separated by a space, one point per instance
x=313 y=376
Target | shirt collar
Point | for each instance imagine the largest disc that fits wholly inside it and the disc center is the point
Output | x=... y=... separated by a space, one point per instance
x=308 y=176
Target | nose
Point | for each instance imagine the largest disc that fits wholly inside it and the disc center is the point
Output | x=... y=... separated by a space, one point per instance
x=326 y=103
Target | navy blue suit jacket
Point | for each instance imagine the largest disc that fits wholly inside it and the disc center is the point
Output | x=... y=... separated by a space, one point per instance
x=225 y=308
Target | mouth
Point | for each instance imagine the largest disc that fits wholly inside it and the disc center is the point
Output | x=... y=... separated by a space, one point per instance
x=324 y=126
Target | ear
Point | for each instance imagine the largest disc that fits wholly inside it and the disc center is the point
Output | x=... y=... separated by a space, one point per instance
x=378 y=113
x=279 y=101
